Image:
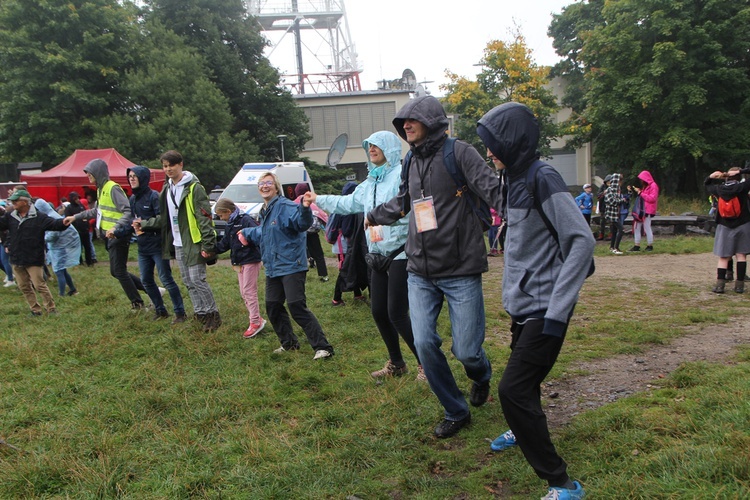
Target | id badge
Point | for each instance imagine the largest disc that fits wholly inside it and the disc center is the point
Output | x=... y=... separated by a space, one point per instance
x=174 y=221
x=376 y=233
x=424 y=214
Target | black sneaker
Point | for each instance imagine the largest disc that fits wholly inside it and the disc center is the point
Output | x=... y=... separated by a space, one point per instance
x=635 y=248
x=160 y=315
x=179 y=318
x=479 y=393
x=649 y=248
x=449 y=428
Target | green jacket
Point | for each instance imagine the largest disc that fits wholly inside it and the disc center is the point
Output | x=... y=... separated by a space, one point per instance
x=202 y=210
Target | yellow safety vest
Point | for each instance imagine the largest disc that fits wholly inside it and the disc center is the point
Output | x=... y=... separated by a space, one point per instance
x=108 y=213
x=195 y=231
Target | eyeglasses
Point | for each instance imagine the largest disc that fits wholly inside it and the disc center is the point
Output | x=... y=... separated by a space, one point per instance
x=132 y=177
x=265 y=184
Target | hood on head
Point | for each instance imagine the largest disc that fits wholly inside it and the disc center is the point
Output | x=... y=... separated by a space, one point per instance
x=44 y=207
x=348 y=188
x=301 y=189
x=646 y=177
x=144 y=177
x=511 y=132
x=614 y=182
x=388 y=142
x=99 y=169
x=428 y=111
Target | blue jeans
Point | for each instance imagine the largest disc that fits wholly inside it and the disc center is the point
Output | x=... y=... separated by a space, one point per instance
x=63 y=279
x=146 y=264
x=466 y=310
x=5 y=262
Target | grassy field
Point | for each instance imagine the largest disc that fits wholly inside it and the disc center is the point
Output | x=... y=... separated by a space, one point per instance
x=103 y=403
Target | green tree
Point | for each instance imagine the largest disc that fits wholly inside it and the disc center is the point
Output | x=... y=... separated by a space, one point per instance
x=232 y=44
x=509 y=73
x=62 y=62
x=173 y=104
x=666 y=84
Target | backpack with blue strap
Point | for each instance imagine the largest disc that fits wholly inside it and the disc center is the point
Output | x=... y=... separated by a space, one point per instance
x=477 y=204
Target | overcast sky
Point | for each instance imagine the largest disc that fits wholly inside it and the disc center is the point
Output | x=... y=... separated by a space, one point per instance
x=392 y=35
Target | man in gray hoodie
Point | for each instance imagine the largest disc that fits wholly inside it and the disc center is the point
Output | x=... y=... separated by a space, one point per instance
x=112 y=211
x=447 y=254
x=548 y=254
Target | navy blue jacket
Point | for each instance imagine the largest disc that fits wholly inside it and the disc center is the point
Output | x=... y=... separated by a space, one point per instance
x=239 y=254
x=144 y=203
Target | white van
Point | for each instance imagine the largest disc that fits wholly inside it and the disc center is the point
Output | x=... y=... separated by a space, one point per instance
x=243 y=190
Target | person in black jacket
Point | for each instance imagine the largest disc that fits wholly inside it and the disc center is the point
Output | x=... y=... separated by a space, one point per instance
x=446 y=253
x=26 y=227
x=245 y=260
x=144 y=204
x=732 y=224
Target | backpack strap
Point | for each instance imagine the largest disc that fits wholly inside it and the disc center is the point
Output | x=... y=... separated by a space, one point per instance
x=531 y=179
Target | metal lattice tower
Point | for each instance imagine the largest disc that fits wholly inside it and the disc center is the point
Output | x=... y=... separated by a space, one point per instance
x=324 y=25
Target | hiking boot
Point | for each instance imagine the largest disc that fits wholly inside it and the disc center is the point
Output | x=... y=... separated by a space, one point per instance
x=35 y=313
x=390 y=370
x=739 y=286
x=283 y=349
x=179 y=318
x=200 y=318
x=137 y=307
x=254 y=330
x=160 y=315
x=730 y=275
x=213 y=321
x=504 y=441
x=322 y=354
x=421 y=377
x=636 y=248
x=719 y=287
x=479 y=393
x=448 y=428
x=649 y=248
x=565 y=493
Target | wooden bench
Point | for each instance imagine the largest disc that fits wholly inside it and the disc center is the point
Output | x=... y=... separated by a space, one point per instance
x=679 y=223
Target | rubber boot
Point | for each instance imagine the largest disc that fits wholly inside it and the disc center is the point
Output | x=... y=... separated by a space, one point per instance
x=730 y=275
x=719 y=288
x=739 y=286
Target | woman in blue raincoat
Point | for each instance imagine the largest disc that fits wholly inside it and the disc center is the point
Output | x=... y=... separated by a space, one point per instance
x=63 y=249
x=388 y=289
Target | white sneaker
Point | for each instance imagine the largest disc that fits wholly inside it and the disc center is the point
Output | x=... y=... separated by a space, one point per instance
x=162 y=291
x=322 y=354
x=9 y=284
x=616 y=251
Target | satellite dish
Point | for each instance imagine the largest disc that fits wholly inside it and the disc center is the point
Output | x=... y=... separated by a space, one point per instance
x=420 y=91
x=338 y=148
x=409 y=79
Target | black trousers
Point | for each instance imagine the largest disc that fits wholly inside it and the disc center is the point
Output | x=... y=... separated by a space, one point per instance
x=118 y=268
x=533 y=355
x=291 y=289
x=315 y=251
x=389 y=303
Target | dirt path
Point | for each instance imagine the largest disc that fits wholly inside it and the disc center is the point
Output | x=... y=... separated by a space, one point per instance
x=619 y=376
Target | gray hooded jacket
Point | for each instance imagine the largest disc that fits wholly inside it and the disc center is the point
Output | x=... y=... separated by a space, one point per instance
x=457 y=247
x=542 y=276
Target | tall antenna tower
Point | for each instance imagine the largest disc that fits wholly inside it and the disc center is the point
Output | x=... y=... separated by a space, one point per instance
x=327 y=42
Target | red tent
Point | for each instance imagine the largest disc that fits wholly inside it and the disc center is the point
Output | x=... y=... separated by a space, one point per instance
x=68 y=176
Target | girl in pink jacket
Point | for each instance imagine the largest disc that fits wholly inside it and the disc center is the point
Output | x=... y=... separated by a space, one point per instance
x=648 y=191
